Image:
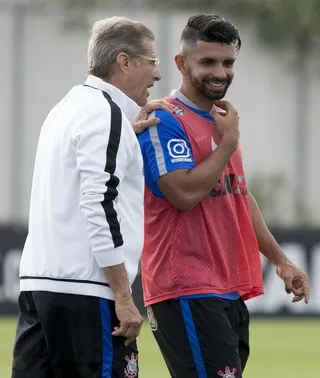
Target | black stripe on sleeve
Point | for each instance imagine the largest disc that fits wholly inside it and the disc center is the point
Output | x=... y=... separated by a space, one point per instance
x=64 y=280
x=112 y=192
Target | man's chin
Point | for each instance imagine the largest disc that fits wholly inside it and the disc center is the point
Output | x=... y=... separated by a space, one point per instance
x=215 y=96
x=142 y=102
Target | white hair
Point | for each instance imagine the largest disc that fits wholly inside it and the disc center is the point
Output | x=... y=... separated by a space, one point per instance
x=111 y=36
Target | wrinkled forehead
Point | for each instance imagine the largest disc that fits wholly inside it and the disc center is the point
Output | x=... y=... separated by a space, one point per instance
x=212 y=50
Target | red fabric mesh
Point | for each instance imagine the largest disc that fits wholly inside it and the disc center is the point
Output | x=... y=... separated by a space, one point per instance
x=211 y=249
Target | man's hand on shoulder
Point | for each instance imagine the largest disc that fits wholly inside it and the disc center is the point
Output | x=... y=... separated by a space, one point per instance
x=142 y=121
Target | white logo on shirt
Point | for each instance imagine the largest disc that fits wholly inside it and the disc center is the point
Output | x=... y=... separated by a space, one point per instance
x=178 y=149
x=179 y=111
x=213 y=144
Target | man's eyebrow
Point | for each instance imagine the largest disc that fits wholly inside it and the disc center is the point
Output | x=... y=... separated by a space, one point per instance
x=209 y=58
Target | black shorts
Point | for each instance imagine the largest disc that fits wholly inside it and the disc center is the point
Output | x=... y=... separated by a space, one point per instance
x=202 y=337
x=69 y=336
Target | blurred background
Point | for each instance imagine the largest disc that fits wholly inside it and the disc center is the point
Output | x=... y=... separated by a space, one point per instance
x=276 y=90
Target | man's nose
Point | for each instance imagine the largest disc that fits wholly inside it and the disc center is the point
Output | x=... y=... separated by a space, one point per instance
x=219 y=72
x=157 y=75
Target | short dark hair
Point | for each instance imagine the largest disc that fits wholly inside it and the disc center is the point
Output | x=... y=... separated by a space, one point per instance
x=211 y=28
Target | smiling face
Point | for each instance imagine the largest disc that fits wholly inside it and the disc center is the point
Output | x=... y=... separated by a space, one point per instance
x=207 y=69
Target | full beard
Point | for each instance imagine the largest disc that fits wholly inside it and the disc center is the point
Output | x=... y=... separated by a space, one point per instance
x=205 y=91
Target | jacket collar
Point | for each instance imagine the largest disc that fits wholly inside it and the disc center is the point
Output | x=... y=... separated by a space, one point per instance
x=127 y=105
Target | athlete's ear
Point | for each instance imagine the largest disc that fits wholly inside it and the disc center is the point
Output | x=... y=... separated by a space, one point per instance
x=182 y=64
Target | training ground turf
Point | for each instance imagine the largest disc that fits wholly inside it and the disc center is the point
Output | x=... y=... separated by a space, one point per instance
x=280 y=349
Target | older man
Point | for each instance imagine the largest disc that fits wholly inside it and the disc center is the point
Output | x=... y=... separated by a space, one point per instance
x=85 y=236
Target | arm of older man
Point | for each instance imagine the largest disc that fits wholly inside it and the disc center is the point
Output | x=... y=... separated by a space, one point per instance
x=142 y=120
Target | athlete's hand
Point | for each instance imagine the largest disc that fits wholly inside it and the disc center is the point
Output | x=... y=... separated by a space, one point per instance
x=141 y=121
x=296 y=281
x=227 y=124
x=130 y=320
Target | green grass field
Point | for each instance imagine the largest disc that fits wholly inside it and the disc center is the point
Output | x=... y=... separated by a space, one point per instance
x=280 y=349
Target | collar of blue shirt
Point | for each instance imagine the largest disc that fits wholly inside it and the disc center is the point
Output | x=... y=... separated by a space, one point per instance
x=127 y=105
x=175 y=93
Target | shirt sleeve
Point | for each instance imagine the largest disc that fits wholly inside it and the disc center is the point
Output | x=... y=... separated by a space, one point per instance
x=101 y=161
x=165 y=147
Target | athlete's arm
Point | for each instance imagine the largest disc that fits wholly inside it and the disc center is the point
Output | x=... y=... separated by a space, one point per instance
x=296 y=281
x=186 y=188
x=165 y=148
x=267 y=243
